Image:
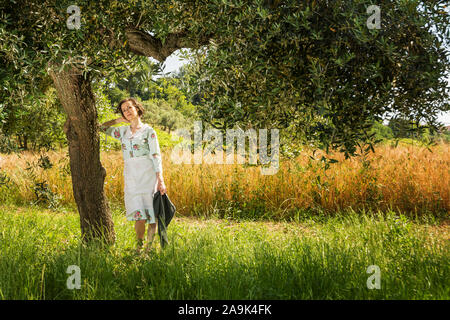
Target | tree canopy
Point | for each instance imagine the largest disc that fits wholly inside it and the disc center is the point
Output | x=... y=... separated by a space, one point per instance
x=316 y=69
x=313 y=68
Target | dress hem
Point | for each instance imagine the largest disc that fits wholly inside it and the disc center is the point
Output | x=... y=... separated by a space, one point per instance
x=146 y=214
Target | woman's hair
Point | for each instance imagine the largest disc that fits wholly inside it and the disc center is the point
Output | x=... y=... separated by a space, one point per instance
x=136 y=104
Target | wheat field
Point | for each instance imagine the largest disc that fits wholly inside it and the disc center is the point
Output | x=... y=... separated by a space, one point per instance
x=407 y=179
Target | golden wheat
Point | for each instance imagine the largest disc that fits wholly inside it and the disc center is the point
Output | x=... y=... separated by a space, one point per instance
x=409 y=179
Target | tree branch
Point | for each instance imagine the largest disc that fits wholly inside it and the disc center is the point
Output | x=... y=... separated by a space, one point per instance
x=144 y=44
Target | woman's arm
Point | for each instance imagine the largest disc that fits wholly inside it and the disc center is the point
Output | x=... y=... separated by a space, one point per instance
x=159 y=176
x=110 y=123
x=160 y=183
x=155 y=153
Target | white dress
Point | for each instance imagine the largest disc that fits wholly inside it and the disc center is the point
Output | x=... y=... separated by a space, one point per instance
x=142 y=159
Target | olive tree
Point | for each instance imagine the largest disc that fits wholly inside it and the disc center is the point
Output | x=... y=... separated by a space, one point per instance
x=317 y=67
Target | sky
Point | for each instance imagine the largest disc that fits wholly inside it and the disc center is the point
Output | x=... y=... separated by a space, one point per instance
x=173 y=63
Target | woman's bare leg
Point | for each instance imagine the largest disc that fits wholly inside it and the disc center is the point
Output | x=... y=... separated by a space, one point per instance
x=139 y=226
x=151 y=231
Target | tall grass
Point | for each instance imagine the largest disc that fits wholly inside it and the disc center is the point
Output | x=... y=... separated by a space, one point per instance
x=407 y=179
x=220 y=259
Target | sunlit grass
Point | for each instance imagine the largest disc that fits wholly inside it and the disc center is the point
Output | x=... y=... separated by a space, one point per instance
x=315 y=258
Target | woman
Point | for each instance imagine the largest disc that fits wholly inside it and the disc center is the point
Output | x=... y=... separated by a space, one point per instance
x=142 y=167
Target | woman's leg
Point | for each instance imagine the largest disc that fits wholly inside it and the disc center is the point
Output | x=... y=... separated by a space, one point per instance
x=139 y=226
x=150 y=235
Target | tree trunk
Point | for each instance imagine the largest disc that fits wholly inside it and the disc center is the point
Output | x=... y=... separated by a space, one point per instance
x=25 y=142
x=88 y=174
x=19 y=137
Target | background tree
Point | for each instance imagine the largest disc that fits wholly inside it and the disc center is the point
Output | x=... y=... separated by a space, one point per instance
x=36 y=125
x=382 y=132
x=401 y=127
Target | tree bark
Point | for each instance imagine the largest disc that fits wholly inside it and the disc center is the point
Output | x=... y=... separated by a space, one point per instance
x=144 y=44
x=88 y=175
x=25 y=142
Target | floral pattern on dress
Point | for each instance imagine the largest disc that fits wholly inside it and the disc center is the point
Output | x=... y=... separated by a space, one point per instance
x=153 y=136
x=124 y=147
x=117 y=133
x=136 y=147
x=138 y=215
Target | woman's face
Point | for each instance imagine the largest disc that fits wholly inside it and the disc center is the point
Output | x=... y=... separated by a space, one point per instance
x=129 y=111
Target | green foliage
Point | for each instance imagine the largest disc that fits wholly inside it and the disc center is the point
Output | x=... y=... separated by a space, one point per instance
x=165 y=104
x=37 y=125
x=167 y=109
x=446 y=136
x=317 y=65
x=401 y=128
x=165 y=139
x=105 y=112
x=134 y=83
x=21 y=73
x=160 y=113
x=381 y=131
x=186 y=77
x=311 y=66
x=410 y=132
x=4 y=180
x=116 y=95
x=169 y=90
x=7 y=145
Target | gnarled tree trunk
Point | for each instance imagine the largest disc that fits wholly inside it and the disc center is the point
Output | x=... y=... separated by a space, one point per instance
x=88 y=174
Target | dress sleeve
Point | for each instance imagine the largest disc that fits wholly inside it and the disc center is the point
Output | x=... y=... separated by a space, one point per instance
x=155 y=152
x=115 y=132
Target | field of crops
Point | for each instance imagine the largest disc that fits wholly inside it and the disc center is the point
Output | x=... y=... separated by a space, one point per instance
x=407 y=179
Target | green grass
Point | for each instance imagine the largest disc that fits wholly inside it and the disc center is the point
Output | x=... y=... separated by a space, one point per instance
x=316 y=258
